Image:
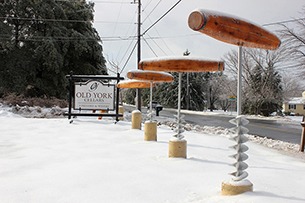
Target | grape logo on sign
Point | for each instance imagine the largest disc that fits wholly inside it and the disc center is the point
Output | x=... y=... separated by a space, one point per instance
x=93 y=87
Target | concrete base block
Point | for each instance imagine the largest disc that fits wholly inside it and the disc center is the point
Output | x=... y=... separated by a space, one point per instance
x=235 y=188
x=150 y=131
x=177 y=148
x=136 y=118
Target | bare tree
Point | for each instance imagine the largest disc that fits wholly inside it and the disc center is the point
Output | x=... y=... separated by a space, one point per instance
x=291 y=87
x=114 y=67
x=295 y=37
x=261 y=80
x=227 y=87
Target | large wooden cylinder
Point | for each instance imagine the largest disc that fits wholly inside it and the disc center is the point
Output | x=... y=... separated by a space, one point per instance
x=150 y=76
x=134 y=84
x=232 y=30
x=177 y=149
x=136 y=118
x=181 y=64
x=150 y=131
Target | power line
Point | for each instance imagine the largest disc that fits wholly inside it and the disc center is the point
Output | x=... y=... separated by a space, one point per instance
x=107 y=2
x=61 y=20
x=152 y=11
x=150 y=47
x=52 y=39
x=112 y=2
x=158 y=45
x=126 y=35
x=126 y=51
x=118 y=38
x=129 y=56
x=284 y=21
x=104 y=39
x=161 y=39
x=117 y=19
x=161 y=17
x=44 y=38
x=147 y=5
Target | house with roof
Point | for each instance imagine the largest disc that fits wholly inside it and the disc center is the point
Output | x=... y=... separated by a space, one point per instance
x=295 y=105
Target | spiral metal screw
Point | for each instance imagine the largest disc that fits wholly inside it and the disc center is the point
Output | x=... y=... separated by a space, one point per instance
x=179 y=128
x=240 y=148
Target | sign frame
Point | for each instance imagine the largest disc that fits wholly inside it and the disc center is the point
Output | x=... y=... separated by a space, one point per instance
x=72 y=77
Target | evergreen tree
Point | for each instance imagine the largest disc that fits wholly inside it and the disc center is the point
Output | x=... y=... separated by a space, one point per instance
x=45 y=40
x=167 y=93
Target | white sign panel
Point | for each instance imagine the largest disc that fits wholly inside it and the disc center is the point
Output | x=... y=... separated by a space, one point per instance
x=94 y=95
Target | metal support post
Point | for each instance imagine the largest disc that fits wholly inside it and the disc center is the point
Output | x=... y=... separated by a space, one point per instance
x=150 y=104
x=179 y=129
x=187 y=91
x=239 y=82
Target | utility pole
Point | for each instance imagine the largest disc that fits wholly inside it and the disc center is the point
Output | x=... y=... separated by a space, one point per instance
x=186 y=53
x=138 y=91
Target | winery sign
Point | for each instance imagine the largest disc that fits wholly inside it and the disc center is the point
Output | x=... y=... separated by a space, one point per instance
x=94 y=95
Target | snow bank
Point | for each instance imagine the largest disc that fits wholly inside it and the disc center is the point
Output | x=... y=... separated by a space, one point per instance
x=38 y=112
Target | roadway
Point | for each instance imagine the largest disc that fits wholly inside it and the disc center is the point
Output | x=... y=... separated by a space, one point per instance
x=274 y=129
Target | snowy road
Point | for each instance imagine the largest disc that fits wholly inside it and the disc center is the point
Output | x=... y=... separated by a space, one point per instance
x=274 y=129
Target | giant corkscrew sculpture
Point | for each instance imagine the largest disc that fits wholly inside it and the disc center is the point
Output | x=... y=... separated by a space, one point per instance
x=233 y=30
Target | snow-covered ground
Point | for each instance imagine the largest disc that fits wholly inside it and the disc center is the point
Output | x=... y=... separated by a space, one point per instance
x=91 y=160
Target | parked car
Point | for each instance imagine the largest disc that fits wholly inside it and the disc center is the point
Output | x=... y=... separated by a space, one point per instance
x=154 y=104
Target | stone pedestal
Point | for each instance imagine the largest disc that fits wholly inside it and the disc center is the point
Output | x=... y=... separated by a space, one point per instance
x=150 y=131
x=177 y=148
x=231 y=187
x=136 y=118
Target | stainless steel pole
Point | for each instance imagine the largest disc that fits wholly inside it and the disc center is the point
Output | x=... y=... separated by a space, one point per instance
x=179 y=104
x=239 y=81
x=150 y=104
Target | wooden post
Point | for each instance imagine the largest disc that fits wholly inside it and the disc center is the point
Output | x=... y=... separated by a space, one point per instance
x=138 y=91
x=303 y=136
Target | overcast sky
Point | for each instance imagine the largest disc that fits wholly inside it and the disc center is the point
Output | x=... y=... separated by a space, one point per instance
x=172 y=36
